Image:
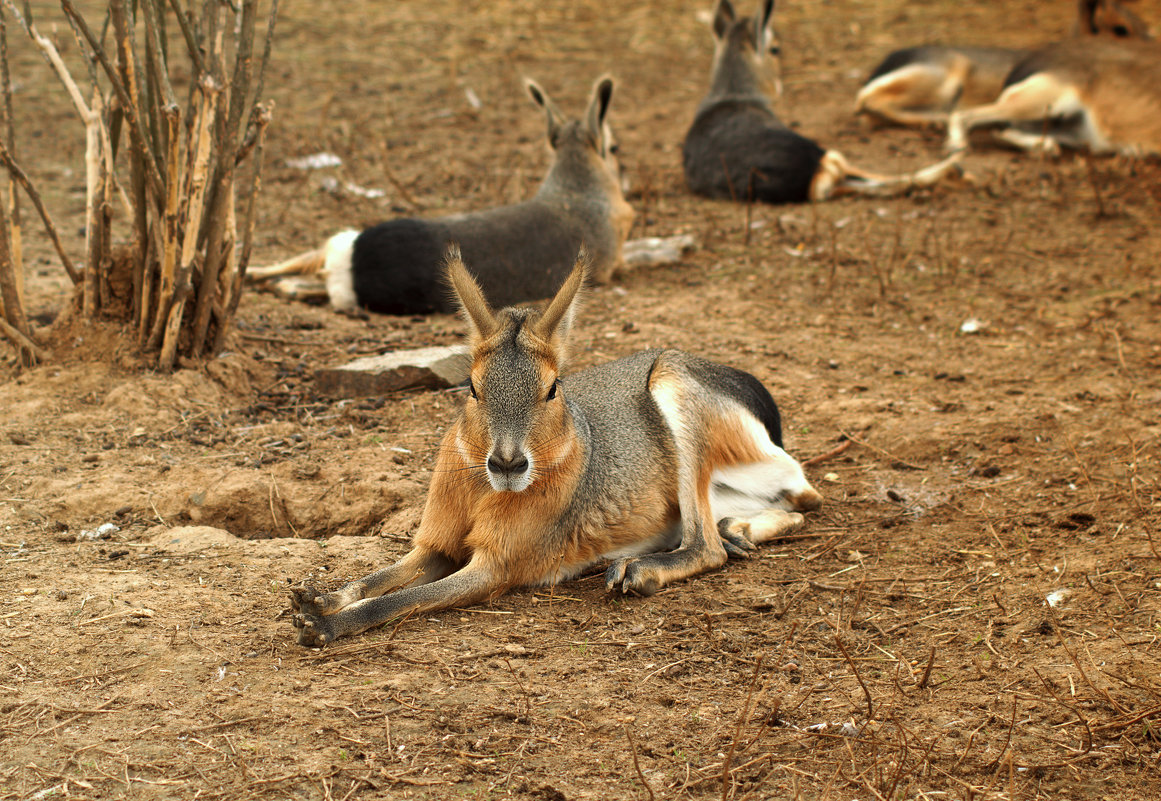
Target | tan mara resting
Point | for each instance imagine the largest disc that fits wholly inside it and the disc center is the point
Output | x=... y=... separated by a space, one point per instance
x=1103 y=96
x=921 y=86
x=663 y=463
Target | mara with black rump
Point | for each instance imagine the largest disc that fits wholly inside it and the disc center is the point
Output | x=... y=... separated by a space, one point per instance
x=738 y=149
x=922 y=85
x=520 y=252
x=664 y=463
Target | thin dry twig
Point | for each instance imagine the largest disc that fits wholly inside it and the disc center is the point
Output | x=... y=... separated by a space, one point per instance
x=742 y=718
x=637 y=765
x=846 y=655
x=826 y=457
x=23 y=341
x=927 y=671
x=881 y=451
x=22 y=178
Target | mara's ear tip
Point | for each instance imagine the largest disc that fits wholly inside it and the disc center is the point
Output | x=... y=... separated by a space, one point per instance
x=604 y=88
x=452 y=258
x=583 y=263
x=534 y=90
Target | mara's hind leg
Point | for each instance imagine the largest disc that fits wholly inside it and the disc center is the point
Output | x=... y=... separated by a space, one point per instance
x=307 y=263
x=1040 y=96
x=727 y=464
x=837 y=177
x=677 y=397
x=740 y=535
x=916 y=95
x=306 y=289
x=759 y=502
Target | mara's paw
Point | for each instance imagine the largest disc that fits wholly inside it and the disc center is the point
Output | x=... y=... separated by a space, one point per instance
x=313 y=631
x=956 y=141
x=735 y=536
x=632 y=575
x=306 y=599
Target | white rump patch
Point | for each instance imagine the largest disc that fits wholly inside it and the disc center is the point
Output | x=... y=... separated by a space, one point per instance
x=744 y=490
x=337 y=267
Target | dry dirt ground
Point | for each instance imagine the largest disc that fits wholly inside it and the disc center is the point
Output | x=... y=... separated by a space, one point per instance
x=902 y=646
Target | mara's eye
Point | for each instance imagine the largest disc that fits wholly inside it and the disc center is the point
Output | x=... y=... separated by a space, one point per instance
x=774 y=50
x=551 y=392
x=471 y=388
x=614 y=149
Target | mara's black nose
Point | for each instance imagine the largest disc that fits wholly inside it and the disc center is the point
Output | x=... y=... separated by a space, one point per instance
x=516 y=463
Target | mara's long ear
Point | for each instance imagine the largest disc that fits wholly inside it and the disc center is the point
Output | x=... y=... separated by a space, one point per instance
x=551 y=112
x=556 y=322
x=724 y=17
x=476 y=309
x=1086 y=21
x=762 y=25
x=598 y=108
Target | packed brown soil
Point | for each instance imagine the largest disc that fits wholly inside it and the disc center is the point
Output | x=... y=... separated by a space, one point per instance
x=974 y=614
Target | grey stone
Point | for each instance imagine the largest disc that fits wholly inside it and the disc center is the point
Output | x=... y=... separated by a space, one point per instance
x=430 y=368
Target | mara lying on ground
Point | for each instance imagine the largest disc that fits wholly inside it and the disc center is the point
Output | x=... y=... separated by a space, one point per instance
x=520 y=252
x=1103 y=96
x=663 y=462
x=922 y=85
x=737 y=148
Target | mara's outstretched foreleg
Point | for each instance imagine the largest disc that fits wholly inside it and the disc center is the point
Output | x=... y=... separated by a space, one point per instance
x=418 y=566
x=476 y=581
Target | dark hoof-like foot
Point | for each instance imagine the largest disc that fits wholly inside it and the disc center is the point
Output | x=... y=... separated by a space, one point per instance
x=632 y=576
x=306 y=599
x=313 y=631
x=734 y=537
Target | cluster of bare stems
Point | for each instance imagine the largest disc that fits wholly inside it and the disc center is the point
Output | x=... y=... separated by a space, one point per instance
x=171 y=196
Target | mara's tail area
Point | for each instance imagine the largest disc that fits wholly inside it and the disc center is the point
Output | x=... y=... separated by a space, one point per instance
x=836 y=177
x=317 y=275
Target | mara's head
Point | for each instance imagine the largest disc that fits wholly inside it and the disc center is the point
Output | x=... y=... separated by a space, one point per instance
x=588 y=140
x=1109 y=18
x=515 y=425
x=746 y=50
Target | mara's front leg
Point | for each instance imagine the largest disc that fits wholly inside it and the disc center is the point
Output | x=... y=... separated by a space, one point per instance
x=418 y=566
x=475 y=582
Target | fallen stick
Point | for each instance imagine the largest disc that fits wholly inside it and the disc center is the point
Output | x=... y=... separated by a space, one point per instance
x=824 y=457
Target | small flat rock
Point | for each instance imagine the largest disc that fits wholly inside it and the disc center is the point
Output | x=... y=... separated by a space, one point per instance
x=653 y=250
x=429 y=368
